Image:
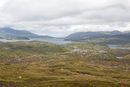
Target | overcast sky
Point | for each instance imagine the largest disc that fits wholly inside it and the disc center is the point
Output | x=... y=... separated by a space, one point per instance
x=62 y=17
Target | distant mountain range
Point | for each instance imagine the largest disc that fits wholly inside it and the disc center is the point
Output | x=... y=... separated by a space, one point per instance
x=99 y=34
x=9 y=32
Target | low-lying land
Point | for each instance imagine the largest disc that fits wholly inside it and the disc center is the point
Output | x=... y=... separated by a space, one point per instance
x=42 y=64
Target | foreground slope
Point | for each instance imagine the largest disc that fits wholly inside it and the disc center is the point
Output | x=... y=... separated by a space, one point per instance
x=41 y=64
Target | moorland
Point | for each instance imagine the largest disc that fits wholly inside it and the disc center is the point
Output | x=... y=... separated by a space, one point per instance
x=86 y=62
x=43 y=64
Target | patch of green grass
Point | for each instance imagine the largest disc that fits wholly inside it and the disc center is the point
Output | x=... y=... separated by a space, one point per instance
x=49 y=55
x=88 y=46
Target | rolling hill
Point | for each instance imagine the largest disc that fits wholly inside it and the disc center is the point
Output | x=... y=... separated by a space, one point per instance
x=99 y=34
x=101 y=37
x=9 y=32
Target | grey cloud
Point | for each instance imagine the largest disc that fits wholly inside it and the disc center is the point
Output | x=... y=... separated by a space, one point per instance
x=108 y=14
x=35 y=10
x=65 y=16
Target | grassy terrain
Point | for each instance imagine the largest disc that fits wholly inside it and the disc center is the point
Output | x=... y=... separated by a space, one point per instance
x=30 y=48
x=106 y=41
x=40 y=64
x=88 y=46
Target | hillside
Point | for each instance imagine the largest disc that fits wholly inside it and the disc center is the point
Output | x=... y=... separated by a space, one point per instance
x=9 y=32
x=83 y=35
x=107 y=36
x=42 y=64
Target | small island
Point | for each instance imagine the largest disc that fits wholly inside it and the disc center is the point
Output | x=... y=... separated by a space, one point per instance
x=16 y=38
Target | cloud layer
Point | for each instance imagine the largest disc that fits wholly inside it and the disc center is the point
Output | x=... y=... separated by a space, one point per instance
x=62 y=17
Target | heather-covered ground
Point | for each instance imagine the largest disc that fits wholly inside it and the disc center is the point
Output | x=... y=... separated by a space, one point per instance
x=41 y=64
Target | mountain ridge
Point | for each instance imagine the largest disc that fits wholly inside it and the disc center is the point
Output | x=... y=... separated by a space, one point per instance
x=10 y=32
x=98 y=34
